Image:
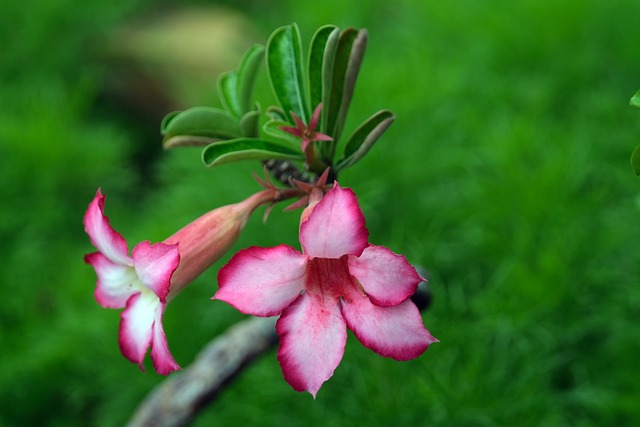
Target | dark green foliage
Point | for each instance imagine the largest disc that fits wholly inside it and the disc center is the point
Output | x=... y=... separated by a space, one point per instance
x=219 y=153
x=284 y=66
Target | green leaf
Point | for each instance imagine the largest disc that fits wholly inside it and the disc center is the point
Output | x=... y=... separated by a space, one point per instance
x=236 y=87
x=364 y=137
x=321 y=53
x=276 y=113
x=348 y=58
x=203 y=121
x=635 y=160
x=235 y=150
x=284 y=68
x=187 y=141
x=247 y=73
x=273 y=128
x=249 y=123
x=166 y=120
x=635 y=100
x=228 y=92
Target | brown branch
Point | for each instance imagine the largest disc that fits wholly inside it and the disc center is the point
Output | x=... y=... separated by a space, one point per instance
x=178 y=399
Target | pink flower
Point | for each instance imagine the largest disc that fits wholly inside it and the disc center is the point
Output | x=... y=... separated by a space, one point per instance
x=308 y=134
x=340 y=281
x=144 y=282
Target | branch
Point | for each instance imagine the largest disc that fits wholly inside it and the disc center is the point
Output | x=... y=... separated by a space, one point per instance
x=178 y=399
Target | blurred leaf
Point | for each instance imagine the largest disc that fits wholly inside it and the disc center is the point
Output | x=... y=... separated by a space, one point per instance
x=202 y=121
x=321 y=56
x=274 y=128
x=228 y=92
x=234 y=150
x=249 y=123
x=635 y=100
x=276 y=113
x=187 y=141
x=166 y=120
x=284 y=68
x=635 y=160
x=236 y=87
x=247 y=73
x=346 y=66
x=364 y=137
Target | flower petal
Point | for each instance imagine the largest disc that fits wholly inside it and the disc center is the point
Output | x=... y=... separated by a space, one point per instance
x=293 y=131
x=386 y=277
x=298 y=121
x=116 y=282
x=155 y=264
x=395 y=332
x=136 y=326
x=317 y=136
x=315 y=118
x=163 y=361
x=312 y=339
x=103 y=237
x=336 y=226
x=305 y=143
x=262 y=281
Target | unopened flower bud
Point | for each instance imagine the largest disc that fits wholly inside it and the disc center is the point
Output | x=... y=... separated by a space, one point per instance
x=208 y=238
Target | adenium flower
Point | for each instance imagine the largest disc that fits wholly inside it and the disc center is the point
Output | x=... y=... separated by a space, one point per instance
x=340 y=281
x=144 y=282
x=306 y=133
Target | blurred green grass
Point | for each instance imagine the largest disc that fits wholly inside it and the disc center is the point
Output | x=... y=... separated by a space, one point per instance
x=506 y=175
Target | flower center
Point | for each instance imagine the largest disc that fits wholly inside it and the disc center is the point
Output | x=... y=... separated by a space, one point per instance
x=329 y=276
x=308 y=134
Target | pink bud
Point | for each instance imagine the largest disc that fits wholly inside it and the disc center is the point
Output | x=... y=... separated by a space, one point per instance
x=208 y=238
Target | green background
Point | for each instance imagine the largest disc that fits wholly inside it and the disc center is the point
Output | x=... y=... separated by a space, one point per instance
x=506 y=175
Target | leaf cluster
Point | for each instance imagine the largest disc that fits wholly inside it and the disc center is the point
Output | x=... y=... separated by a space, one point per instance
x=328 y=77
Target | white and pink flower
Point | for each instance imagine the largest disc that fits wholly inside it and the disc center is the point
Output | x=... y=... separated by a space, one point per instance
x=340 y=281
x=144 y=282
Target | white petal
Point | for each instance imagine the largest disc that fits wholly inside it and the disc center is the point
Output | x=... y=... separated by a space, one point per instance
x=116 y=282
x=136 y=325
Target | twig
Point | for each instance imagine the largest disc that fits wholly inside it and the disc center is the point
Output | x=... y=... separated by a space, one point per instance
x=177 y=400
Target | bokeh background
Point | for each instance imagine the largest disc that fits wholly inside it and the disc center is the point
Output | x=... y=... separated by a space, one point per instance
x=506 y=175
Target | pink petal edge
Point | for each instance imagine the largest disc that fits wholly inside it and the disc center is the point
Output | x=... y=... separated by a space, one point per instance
x=336 y=226
x=395 y=332
x=155 y=264
x=386 y=277
x=102 y=235
x=262 y=281
x=114 y=284
x=136 y=325
x=312 y=335
x=163 y=361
